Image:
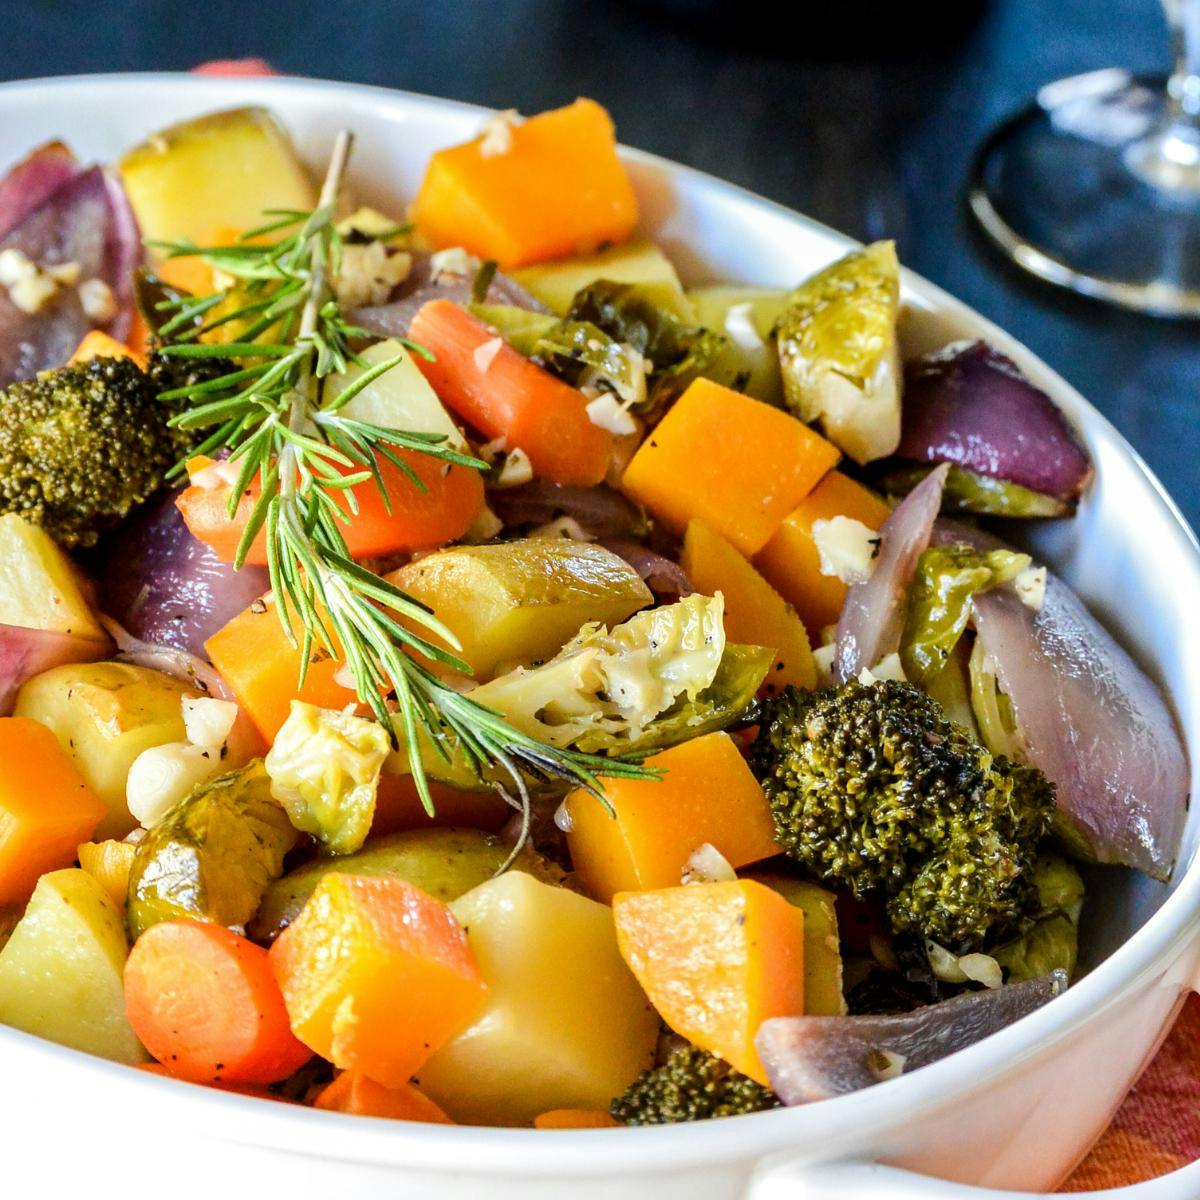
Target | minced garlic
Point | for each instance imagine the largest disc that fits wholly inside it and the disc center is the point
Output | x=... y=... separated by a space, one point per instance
x=98 y=301
x=368 y=273
x=497 y=138
x=607 y=412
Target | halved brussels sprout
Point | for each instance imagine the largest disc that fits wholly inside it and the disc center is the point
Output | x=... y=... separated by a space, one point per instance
x=838 y=351
x=967 y=492
x=213 y=855
x=664 y=675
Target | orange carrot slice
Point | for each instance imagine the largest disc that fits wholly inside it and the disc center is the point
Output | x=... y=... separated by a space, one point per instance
x=503 y=395
x=204 y=1002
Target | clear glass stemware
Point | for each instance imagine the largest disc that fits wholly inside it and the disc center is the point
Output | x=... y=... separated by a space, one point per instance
x=1096 y=185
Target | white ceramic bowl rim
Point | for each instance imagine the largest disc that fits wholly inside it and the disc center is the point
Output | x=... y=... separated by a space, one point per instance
x=663 y=1148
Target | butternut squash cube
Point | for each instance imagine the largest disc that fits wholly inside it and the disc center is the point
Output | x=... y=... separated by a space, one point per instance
x=707 y=795
x=736 y=464
x=754 y=611
x=548 y=187
x=565 y=1024
x=716 y=960
x=46 y=807
x=376 y=975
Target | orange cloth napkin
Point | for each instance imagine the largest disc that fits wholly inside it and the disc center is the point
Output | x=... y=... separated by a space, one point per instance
x=1154 y=1132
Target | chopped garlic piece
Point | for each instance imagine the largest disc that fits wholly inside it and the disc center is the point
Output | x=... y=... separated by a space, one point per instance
x=607 y=412
x=30 y=286
x=483 y=528
x=739 y=324
x=969 y=968
x=563 y=527
x=15 y=265
x=98 y=301
x=32 y=294
x=706 y=864
x=485 y=354
x=982 y=968
x=219 y=473
x=1030 y=585
x=823 y=657
x=497 y=136
x=846 y=547
x=517 y=469
x=490 y=451
x=65 y=273
x=368 y=273
x=344 y=677
x=889 y=667
x=887 y=1064
x=563 y=821
x=164 y=775
x=207 y=721
x=453 y=261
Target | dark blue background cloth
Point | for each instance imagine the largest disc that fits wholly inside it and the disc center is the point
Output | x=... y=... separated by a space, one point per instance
x=873 y=136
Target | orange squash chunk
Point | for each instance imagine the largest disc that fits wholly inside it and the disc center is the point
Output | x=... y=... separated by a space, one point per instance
x=46 y=808
x=755 y=613
x=708 y=794
x=376 y=975
x=353 y=1092
x=790 y=560
x=716 y=960
x=736 y=464
x=575 y=1118
x=262 y=667
x=549 y=187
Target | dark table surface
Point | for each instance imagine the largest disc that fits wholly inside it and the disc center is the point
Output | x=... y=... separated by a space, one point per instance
x=875 y=143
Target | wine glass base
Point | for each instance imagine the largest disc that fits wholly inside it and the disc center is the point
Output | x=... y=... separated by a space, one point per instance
x=1093 y=188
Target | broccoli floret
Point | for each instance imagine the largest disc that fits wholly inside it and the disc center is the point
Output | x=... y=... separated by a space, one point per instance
x=874 y=790
x=81 y=445
x=691 y=1085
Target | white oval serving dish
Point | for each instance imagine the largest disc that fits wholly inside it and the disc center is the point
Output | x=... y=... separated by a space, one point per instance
x=1016 y=1111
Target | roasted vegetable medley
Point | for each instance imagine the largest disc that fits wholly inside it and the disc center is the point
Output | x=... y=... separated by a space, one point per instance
x=453 y=672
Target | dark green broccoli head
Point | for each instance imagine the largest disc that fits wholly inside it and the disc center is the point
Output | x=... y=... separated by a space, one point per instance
x=81 y=445
x=874 y=790
x=691 y=1085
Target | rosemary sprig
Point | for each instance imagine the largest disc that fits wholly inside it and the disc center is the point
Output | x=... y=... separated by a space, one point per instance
x=294 y=446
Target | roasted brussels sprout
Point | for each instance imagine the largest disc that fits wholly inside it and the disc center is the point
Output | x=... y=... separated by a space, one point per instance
x=213 y=855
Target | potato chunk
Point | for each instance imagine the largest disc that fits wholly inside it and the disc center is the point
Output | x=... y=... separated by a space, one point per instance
x=214 y=176
x=521 y=601
x=104 y=715
x=565 y=1024
x=39 y=586
x=61 y=970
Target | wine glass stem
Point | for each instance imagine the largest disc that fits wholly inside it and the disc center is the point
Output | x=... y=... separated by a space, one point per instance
x=1183 y=16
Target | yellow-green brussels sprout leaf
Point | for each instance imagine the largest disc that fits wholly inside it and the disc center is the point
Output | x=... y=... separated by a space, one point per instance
x=324 y=769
